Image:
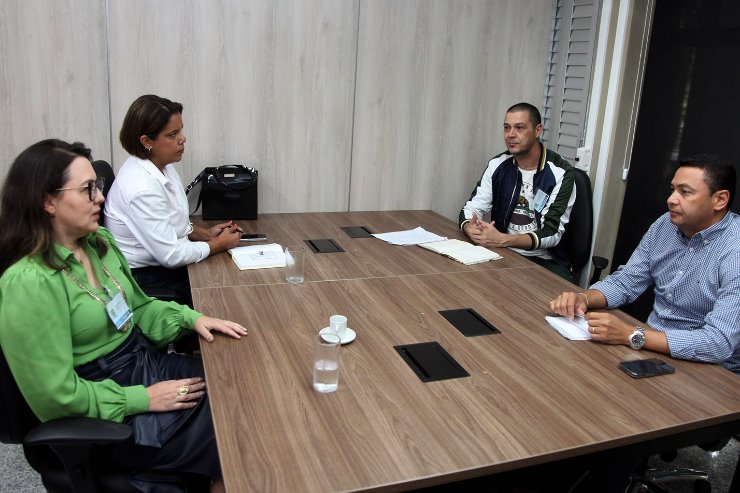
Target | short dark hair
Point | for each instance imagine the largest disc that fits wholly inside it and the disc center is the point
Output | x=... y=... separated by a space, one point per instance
x=534 y=113
x=27 y=228
x=719 y=173
x=148 y=115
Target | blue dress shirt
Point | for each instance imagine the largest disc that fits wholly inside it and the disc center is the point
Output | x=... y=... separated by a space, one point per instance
x=697 y=288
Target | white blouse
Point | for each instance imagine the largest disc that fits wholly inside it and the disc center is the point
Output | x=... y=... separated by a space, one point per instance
x=147 y=212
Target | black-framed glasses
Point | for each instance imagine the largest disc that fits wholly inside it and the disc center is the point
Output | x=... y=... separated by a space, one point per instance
x=92 y=188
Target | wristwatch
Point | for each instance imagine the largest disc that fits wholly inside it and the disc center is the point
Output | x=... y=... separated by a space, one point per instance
x=637 y=338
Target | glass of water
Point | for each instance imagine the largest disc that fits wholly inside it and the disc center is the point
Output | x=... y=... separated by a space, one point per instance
x=294 y=262
x=326 y=362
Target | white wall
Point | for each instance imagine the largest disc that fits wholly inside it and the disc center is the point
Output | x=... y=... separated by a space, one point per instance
x=53 y=75
x=434 y=79
x=340 y=104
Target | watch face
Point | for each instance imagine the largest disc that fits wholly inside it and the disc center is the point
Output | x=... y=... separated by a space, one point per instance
x=637 y=340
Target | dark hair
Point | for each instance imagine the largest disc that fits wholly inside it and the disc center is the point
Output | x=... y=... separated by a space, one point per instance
x=148 y=115
x=534 y=113
x=719 y=173
x=26 y=227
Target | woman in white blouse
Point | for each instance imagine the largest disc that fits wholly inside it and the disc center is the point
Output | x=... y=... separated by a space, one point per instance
x=147 y=210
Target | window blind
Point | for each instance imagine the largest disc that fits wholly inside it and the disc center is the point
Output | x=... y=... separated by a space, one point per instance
x=568 y=78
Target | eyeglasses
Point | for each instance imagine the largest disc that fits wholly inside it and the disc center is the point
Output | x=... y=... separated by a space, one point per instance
x=92 y=188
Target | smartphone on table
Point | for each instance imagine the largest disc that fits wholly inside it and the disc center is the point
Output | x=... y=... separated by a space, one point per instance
x=253 y=237
x=641 y=368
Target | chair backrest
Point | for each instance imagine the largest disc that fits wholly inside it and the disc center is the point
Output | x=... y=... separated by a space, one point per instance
x=104 y=170
x=16 y=418
x=575 y=245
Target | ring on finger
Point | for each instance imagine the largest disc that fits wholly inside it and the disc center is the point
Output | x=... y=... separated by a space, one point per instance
x=183 y=389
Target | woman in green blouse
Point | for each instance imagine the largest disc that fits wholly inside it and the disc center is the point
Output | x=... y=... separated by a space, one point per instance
x=80 y=336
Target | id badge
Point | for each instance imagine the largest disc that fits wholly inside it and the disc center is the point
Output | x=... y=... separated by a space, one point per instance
x=119 y=312
x=540 y=199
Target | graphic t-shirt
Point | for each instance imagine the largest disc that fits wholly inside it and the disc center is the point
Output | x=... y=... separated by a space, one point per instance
x=523 y=219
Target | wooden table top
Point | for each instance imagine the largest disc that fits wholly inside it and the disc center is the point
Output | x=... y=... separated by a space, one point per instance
x=531 y=397
x=363 y=257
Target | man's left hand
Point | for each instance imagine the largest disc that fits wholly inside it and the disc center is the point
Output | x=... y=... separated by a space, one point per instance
x=607 y=328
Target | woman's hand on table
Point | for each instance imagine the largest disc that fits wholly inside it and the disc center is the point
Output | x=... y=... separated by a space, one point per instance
x=200 y=233
x=205 y=325
x=228 y=238
x=230 y=227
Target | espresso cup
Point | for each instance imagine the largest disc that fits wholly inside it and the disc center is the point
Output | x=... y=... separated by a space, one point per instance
x=338 y=325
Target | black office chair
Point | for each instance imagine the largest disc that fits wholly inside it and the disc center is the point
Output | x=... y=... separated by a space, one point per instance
x=574 y=247
x=62 y=451
x=661 y=479
x=104 y=170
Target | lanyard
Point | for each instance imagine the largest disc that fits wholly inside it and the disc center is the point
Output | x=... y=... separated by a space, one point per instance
x=122 y=325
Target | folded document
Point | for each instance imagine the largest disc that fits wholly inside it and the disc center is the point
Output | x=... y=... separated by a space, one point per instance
x=462 y=251
x=258 y=256
x=575 y=330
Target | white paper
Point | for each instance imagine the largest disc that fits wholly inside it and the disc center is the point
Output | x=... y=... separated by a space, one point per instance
x=409 y=237
x=258 y=256
x=575 y=330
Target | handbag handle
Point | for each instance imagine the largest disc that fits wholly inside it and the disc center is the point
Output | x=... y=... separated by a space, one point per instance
x=250 y=177
x=196 y=180
x=201 y=176
x=247 y=176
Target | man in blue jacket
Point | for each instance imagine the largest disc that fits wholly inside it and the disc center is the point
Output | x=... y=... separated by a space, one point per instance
x=529 y=192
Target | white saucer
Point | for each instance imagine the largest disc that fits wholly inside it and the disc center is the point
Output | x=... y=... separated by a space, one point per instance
x=349 y=334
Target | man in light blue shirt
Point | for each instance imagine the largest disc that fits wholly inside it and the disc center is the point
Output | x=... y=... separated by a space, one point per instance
x=692 y=255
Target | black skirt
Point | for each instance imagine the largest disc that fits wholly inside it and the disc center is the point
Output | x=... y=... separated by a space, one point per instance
x=175 y=441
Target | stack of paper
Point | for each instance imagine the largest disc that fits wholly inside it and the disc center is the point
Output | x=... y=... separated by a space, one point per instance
x=575 y=330
x=258 y=256
x=462 y=251
x=409 y=237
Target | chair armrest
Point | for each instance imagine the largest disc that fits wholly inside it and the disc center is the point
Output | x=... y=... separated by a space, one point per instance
x=165 y=294
x=72 y=440
x=600 y=264
x=78 y=431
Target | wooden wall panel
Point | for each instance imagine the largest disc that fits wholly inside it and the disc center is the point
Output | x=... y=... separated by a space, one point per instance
x=434 y=79
x=53 y=75
x=264 y=83
x=272 y=84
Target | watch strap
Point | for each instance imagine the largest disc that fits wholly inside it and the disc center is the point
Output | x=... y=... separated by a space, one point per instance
x=637 y=338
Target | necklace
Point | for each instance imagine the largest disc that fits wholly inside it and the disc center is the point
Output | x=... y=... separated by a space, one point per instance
x=66 y=271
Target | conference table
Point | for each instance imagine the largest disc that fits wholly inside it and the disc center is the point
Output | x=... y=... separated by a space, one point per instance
x=531 y=396
x=363 y=257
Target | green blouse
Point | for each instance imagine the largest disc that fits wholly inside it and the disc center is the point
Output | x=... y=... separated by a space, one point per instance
x=49 y=325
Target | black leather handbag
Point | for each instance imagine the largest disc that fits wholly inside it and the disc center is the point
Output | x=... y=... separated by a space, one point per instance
x=227 y=192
